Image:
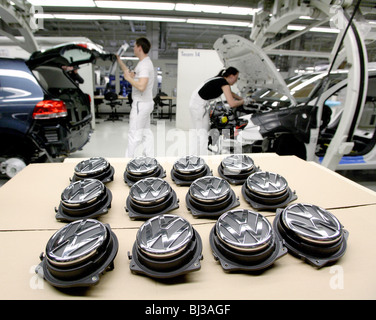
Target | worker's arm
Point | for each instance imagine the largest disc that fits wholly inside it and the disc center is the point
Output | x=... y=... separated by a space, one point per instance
x=233 y=102
x=140 y=84
x=237 y=97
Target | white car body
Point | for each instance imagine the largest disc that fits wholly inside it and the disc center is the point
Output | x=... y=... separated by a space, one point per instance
x=257 y=71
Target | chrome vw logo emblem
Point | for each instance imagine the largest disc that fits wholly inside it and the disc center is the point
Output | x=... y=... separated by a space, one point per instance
x=142 y=165
x=150 y=189
x=75 y=242
x=236 y=164
x=209 y=188
x=312 y=223
x=266 y=183
x=164 y=235
x=91 y=165
x=82 y=191
x=189 y=163
x=244 y=230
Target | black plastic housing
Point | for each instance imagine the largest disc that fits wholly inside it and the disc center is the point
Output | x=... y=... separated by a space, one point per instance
x=317 y=250
x=85 y=270
x=236 y=168
x=163 y=263
x=94 y=168
x=265 y=196
x=189 y=168
x=220 y=197
x=245 y=255
x=88 y=205
x=142 y=167
x=160 y=198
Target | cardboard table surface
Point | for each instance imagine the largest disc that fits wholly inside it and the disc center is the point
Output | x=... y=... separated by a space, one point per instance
x=28 y=221
x=352 y=277
x=30 y=198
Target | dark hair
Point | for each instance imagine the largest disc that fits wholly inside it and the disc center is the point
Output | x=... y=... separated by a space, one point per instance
x=144 y=44
x=227 y=72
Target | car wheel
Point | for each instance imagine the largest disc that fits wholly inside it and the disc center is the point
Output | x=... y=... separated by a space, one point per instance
x=12 y=166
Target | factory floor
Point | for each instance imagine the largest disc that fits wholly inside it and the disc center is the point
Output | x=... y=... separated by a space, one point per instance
x=109 y=140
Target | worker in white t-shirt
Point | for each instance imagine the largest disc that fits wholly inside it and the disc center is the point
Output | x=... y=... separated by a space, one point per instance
x=142 y=81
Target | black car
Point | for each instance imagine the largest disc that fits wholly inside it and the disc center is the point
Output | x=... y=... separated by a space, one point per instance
x=43 y=112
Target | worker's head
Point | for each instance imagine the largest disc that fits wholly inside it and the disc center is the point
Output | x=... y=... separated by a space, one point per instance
x=142 y=44
x=231 y=75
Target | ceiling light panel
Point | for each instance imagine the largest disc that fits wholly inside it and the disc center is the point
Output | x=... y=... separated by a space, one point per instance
x=65 y=3
x=316 y=29
x=135 y=5
x=86 y=17
x=221 y=22
x=148 y=18
x=214 y=9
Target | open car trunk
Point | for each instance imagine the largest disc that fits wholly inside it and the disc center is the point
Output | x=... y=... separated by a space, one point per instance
x=54 y=70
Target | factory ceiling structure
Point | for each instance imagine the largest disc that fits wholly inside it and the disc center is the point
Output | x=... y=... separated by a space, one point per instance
x=173 y=25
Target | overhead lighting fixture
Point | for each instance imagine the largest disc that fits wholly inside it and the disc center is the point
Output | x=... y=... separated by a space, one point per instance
x=295 y=28
x=129 y=58
x=141 y=18
x=44 y=16
x=221 y=22
x=317 y=29
x=147 y=18
x=65 y=3
x=135 y=5
x=141 y=5
x=214 y=9
x=325 y=30
x=86 y=17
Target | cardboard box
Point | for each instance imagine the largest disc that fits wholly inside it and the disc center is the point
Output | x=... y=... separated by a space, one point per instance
x=28 y=221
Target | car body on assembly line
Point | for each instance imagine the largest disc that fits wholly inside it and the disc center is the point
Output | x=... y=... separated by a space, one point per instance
x=43 y=112
x=295 y=116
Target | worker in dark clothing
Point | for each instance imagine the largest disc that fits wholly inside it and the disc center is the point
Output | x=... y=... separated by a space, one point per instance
x=211 y=89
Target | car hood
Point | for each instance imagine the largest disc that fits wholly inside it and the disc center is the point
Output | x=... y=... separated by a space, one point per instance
x=256 y=69
x=71 y=54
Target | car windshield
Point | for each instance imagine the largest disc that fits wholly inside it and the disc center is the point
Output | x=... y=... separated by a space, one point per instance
x=300 y=86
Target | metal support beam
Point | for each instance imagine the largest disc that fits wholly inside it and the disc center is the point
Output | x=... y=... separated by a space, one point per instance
x=284 y=13
x=354 y=52
x=294 y=35
x=341 y=143
x=299 y=53
x=21 y=20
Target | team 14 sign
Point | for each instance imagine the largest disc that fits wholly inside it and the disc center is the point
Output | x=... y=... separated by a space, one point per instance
x=190 y=53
